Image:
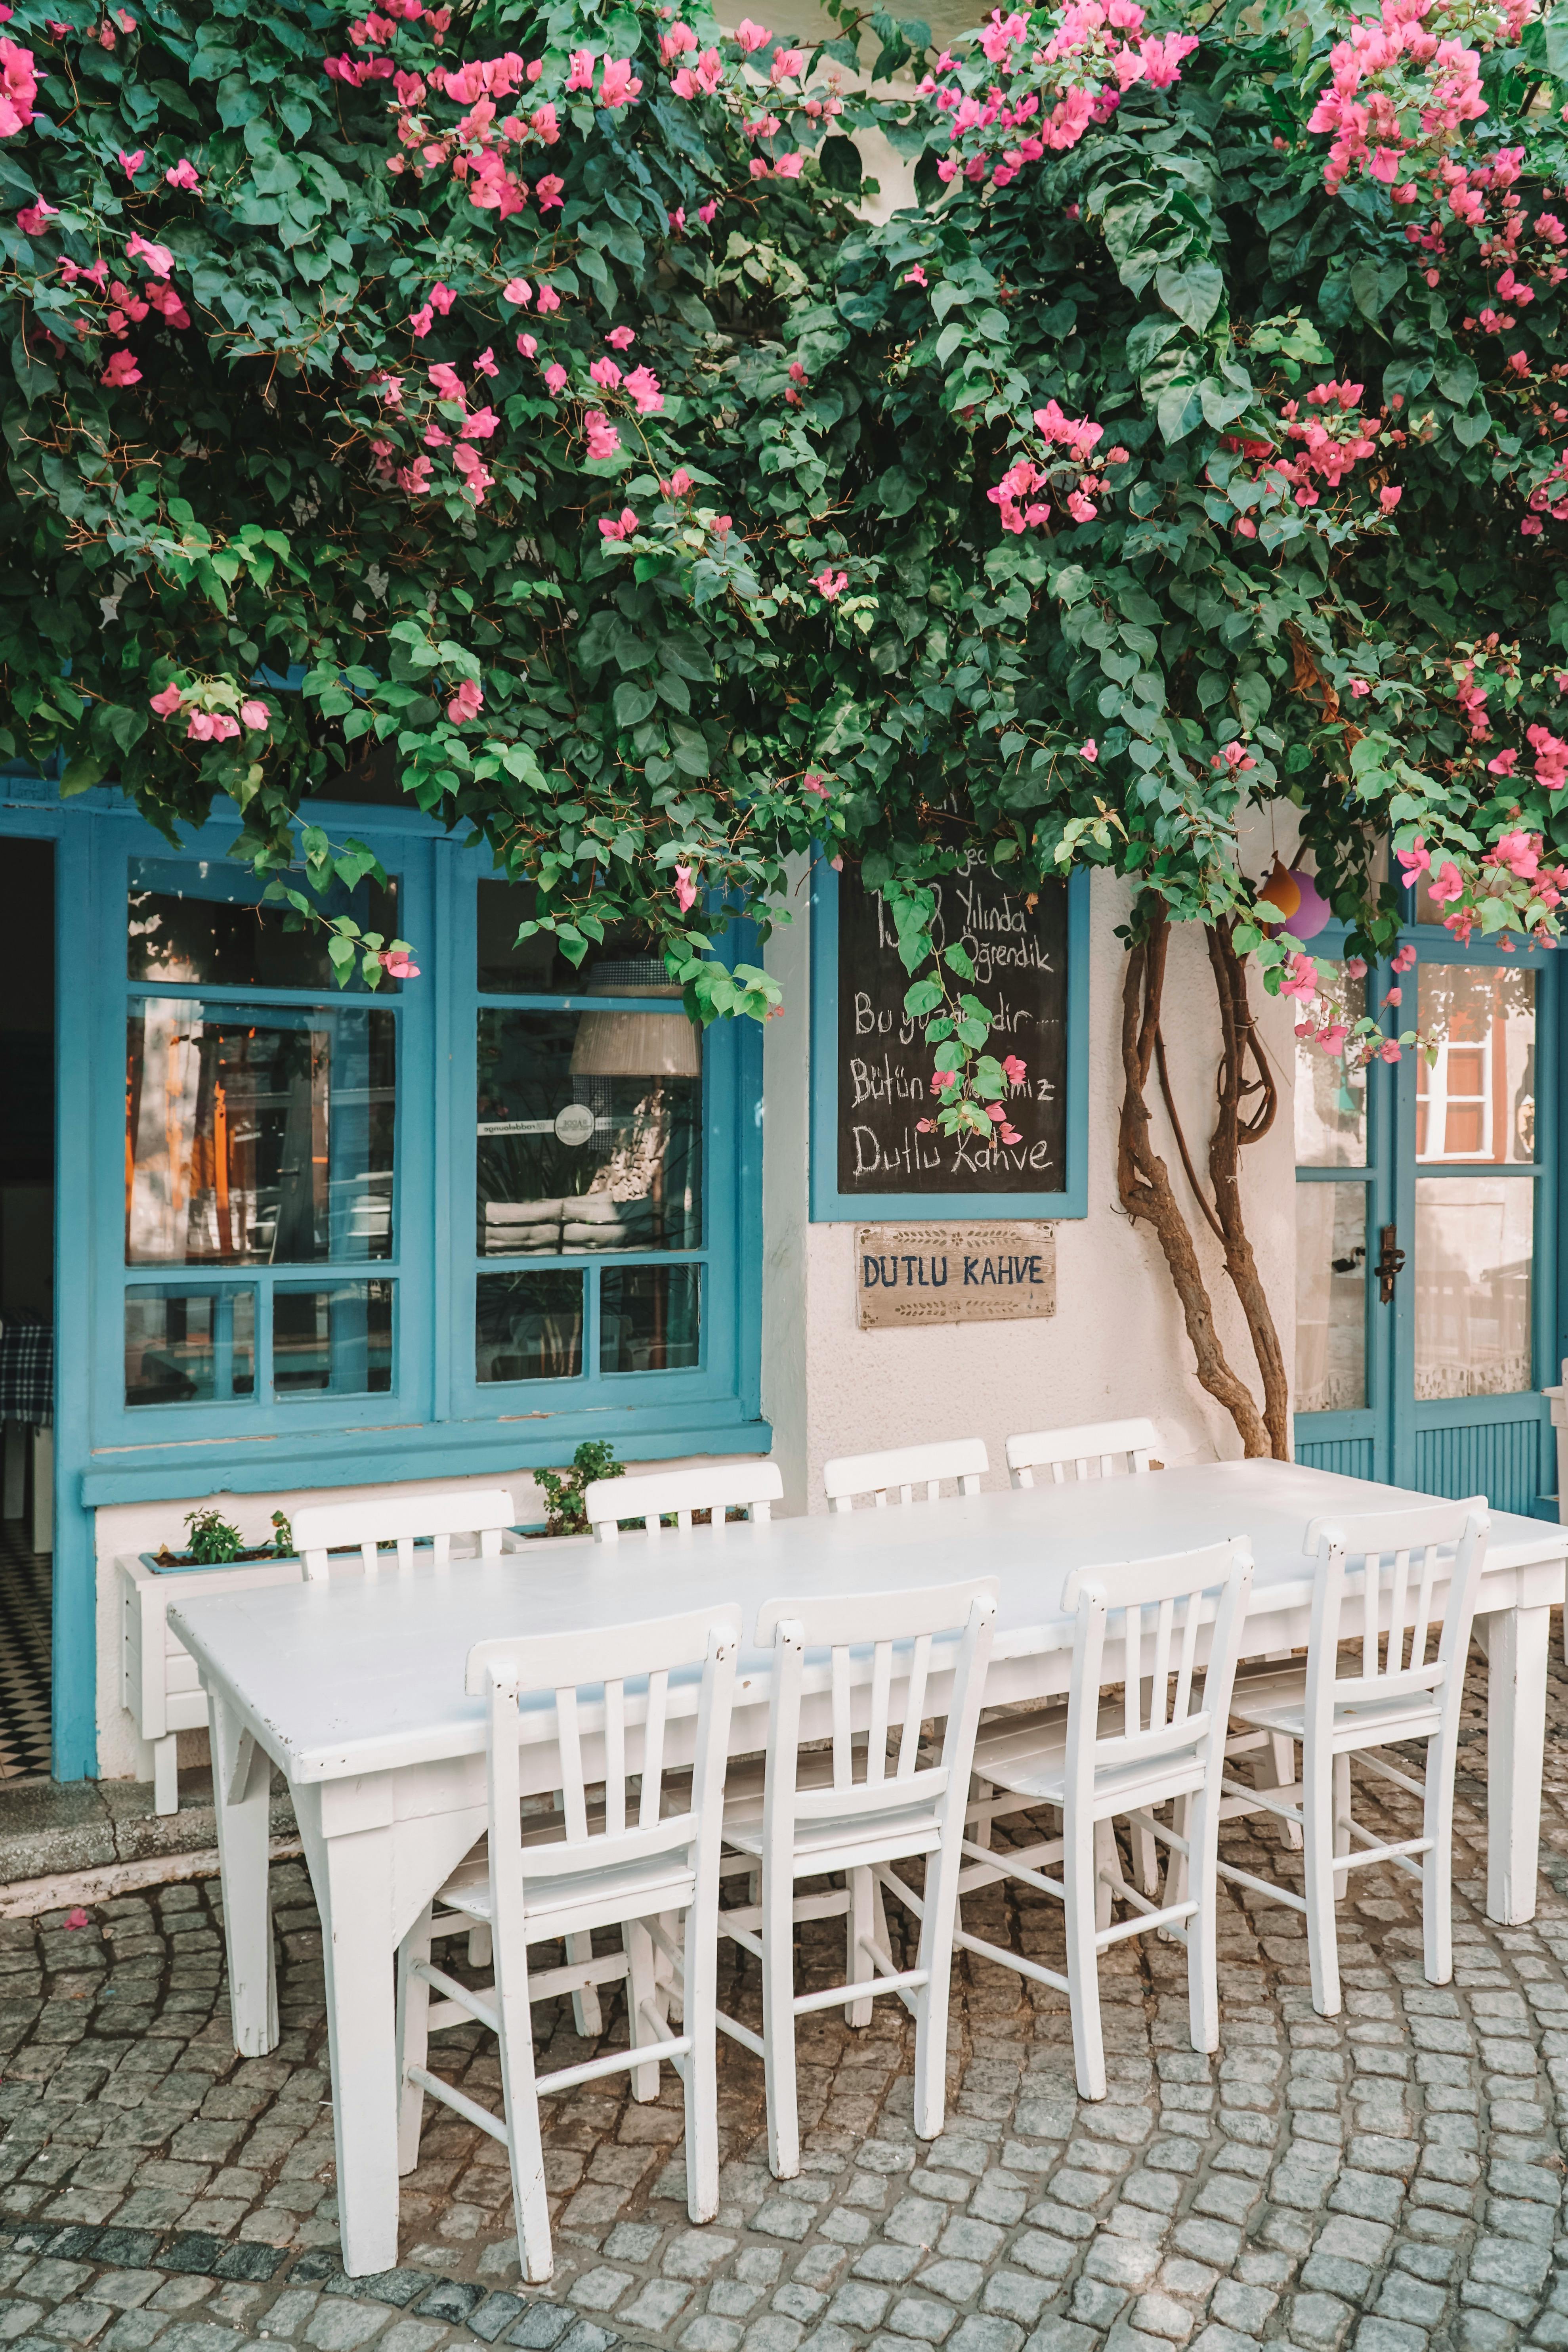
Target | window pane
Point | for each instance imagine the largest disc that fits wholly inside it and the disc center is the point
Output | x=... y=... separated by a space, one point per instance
x=189 y=920
x=529 y=1326
x=1331 y=1101
x=1474 y=1242
x=189 y=1347
x=648 y=1319
x=257 y=1140
x=622 y=965
x=590 y=1132
x=1477 y=1101
x=1331 y=1298
x=335 y=1341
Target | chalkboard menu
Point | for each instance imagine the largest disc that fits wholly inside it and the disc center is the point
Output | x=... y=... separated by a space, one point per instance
x=885 y=1065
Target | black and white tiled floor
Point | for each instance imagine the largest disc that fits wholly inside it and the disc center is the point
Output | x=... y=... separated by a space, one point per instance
x=24 y=1614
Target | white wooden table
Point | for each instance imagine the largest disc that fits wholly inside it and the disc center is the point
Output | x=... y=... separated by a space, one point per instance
x=354 y=1687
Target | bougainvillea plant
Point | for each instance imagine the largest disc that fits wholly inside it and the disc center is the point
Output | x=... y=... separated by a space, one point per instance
x=517 y=393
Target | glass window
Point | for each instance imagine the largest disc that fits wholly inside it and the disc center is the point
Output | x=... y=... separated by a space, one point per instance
x=258 y=1137
x=1476 y=1101
x=1331 y=1101
x=590 y=1133
x=1474 y=1244
x=190 y=921
x=1331 y=1298
x=184 y=1346
x=529 y=1326
x=648 y=1318
x=622 y=965
x=333 y=1341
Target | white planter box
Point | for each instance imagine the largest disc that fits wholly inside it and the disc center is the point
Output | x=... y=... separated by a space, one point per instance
x=158 y=1680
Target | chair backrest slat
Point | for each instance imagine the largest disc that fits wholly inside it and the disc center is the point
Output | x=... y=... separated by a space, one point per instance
x=899 y=1471
x=716 y=1487
x=1114 y=1448
x=843 y=1751
x=481 y=1513
x=654 y=1748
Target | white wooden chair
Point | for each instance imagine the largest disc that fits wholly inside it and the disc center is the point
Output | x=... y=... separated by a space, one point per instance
x=897 y=1473
x=611 y=1867
x=1386 y=1565
x=1107 y=1448
x=750 y=1486
x=811 y=1816
x=378 y=1522
x=1095 y=1763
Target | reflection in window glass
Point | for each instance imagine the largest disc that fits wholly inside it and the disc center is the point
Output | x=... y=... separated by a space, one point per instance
x=1331 y=1101
x=620 y=965
x=257 y=1139
x=1474 y=1241
x=1477 y=1101
x=590 y=1132
x=332 y=1341
x=1331 y=1298
x=529 y=1326
x=191 y=920
x=189 y=1347
x=648 y=1318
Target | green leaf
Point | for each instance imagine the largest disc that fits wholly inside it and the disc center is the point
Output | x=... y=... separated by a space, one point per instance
x=840 y=161
x=1194 y=294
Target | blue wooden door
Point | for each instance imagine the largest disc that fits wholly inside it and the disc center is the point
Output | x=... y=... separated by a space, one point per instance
x=1427 y=1222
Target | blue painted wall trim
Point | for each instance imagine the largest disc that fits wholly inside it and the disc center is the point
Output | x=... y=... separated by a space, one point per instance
x=829 y=1205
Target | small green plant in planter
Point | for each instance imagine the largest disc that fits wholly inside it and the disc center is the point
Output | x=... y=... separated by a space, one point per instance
x=212 y=1540
x=282 y=1535
x=563 y=1490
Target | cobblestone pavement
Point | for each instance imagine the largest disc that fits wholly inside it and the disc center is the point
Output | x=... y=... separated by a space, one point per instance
x=1385 y=2180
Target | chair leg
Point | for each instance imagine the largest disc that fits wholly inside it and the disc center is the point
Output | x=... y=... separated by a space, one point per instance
x=701 y=2074
x=480 y=1948
x=525 y=2144
x=1202 y=1926
x=859 y=1968
x=642 y=1984
x=1278 y=1772
x=1438 y=1863
x=779 y=2022
x=1178 y=1875
x=1342 y=1802
x=1318 y=1871
x=1080 y=1881
x=587 y=2015
x=412 y=2038
x=934 y=2000
x=1106 y=1859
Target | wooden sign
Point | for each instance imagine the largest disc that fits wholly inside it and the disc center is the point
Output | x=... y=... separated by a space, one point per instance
x=885 y=1065
x=907 y=1274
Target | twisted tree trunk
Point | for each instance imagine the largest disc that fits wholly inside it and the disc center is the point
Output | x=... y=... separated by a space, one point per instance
x=1232 y=1133
x=1143 y=1183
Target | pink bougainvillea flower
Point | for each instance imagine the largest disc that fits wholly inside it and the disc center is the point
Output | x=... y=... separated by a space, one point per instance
x=169 y=701
x=621 y=526
x=1447 y=884
x=159 y=259
x=36 y=218
x=210 y=727
x=915 y=277
x=830 y=583
x=121 y=370
x=397 y=965
x=555 y=375
x=1013 y=1069
x=789 y=167
x=442 y=298
x=548 y=299
x=620 y=338
x=706 y=213
x=1089 y=751
x=925 y=1127
x=618 y=85
x=1405 y=961
x=686 y=888
x=549 y=191
x=528 y=346
x=184 y=174
x=420 y=320
x=448 y=383
x=18 y=85
x=581 y=75
x=486 y=362
x=1415 y=860
x=76 y=1919
x=131 y=164
x=643 y=386
x=751 y=38
x=256 y=714
x=466 y=703
x=812 y=783
x=517 y=290
x=677 y=486
x=605 y=371
x=1503 y=765
x=1388 y=498
x=1008 y=1134
x=604 y=440
x=722 y=526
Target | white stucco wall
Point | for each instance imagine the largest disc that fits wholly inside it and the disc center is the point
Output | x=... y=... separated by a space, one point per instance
x=1116 y=1345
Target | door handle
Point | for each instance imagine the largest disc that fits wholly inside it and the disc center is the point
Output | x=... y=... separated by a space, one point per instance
x=1390 y=1263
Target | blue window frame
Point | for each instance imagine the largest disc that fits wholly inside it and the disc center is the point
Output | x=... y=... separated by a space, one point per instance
x=831 y=1206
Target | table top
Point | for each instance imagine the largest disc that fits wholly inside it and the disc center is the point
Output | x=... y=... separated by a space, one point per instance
x=355 y=1673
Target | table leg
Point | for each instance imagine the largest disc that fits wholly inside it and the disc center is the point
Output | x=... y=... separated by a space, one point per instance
x=1516 y=1646
x=352 y=1876
x=241 y=1793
